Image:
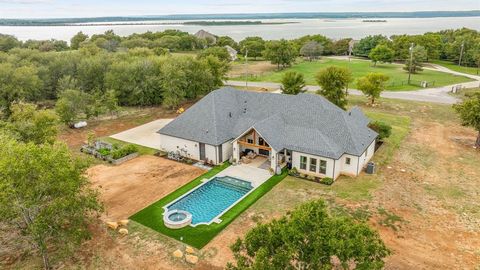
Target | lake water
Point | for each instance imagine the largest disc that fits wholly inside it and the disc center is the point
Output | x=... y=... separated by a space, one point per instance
x=333 y=28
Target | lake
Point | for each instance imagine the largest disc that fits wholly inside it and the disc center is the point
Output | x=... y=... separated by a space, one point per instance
x=332 y=28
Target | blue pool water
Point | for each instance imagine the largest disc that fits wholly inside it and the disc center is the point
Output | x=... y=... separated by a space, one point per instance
x=209 y=200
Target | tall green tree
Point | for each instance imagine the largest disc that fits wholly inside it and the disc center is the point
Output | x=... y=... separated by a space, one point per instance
x=280 y=52
x=33 y=125
x=44 y=196
x=469 y=112
x=254 y=45
x=73 y=105
x=18 y=83
x=382 y=54
x=415 y=64
x=8 y=42
x=310 y=238
x=333 y=82
x=293 y=83
x=366 y=44
x=372 y=85
x=219 y=52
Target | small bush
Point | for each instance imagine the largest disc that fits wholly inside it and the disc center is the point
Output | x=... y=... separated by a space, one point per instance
x=104 y=151
x=326 y=181
x=311 y=177
x=124 y=151
x=293 y=171
x=384 y=130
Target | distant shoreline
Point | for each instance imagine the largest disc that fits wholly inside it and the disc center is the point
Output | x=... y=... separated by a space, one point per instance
x=211 y=19
x=199 y=23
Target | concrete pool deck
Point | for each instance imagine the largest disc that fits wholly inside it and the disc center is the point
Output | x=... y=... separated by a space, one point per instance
x=254 y=175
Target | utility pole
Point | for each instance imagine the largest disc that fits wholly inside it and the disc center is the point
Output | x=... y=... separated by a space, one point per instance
x=461 y=53
x=411 y=61
x=246 y=68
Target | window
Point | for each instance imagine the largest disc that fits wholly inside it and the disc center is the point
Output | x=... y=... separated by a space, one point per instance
x=323 y=166
x=250 y=141
x=348 y=161
x=313 y=164
x=303 y=163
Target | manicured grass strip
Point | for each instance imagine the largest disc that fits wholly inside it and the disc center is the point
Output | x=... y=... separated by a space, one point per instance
x=142 y=150
x=456 y=67
x=199 y=236
x=398 y=76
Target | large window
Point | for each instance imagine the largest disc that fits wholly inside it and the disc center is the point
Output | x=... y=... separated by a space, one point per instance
x=323 y=166
x=313 y=164
x=303 y=163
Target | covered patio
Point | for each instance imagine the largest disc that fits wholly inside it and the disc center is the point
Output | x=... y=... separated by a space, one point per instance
x=253 y=150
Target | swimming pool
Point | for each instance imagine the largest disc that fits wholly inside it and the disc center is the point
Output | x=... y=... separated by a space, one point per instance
x=210 y=200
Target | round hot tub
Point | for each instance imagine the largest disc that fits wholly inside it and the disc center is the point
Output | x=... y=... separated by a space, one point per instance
x=176 y=219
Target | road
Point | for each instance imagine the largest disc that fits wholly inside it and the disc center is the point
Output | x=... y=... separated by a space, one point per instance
x=436 y=94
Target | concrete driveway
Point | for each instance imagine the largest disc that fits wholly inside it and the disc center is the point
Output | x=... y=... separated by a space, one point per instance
x=144 y=135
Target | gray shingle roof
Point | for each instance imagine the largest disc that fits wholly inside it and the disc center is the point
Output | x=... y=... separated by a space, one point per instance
x=306 y=123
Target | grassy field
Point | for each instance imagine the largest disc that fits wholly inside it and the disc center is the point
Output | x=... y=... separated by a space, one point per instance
x=359 y=68
x=455 y=67
x=142 y=150
x=200 y=235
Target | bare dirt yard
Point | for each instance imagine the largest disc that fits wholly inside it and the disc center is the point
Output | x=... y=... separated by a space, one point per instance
x=254 y=68
x=129 y=187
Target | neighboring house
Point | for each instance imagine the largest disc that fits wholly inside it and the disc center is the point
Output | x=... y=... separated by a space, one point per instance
x=311 y=133
x=202 y=34
x=232 y=52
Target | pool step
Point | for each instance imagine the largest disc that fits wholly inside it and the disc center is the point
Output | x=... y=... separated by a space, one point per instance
x=236 y=186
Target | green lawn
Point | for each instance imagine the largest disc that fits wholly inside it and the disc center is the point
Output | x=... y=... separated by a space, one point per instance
x=142 y=150
x=398 y=76
x=455 y=67
x=199 y=236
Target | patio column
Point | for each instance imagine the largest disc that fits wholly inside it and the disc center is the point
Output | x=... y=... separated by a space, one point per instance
x=273 y=161
x=236 y=151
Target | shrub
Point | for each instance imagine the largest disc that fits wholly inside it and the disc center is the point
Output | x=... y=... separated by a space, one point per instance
x=104 y=151
x=384 y=130
x=326 y=181
x=293 y=171
x=311 y=177
x=124 y=151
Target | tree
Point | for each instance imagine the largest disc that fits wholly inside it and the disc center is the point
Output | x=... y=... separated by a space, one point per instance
x=220 y=52
x=8 y=42
x=71 y=105
x=227 y=41
x=44 y=196
x=32 y=125
x=381 y=53
x=254 y=45
x=293 y=83
x=280 y=53
x=340 y=47
x=418 y=56
x=469 y=112
x=18 y=83
x=311 y=50
x=365 y=45
x=310 y=238
x=333 y=81
x=372 y=85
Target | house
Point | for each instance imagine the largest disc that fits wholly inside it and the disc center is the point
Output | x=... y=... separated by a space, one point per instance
x=232 y=52
x=210 y=38
x=306 y=130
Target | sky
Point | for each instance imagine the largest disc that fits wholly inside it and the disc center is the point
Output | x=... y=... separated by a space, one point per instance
x=99 y=8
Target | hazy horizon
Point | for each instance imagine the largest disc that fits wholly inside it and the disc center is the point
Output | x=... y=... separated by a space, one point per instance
x=39 y=9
